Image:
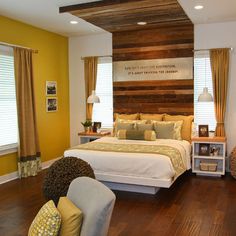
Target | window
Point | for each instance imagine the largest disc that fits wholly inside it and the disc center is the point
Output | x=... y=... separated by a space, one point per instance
x=204 y=112
x=8 y=112
x=103 y=111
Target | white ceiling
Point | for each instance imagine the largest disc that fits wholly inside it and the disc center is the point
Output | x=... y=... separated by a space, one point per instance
x=45 y=14
x=213 y=11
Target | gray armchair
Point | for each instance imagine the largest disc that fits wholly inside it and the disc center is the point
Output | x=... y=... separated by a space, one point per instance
x=96 y=201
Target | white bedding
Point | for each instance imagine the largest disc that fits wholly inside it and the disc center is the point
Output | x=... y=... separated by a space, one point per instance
x=133 y=164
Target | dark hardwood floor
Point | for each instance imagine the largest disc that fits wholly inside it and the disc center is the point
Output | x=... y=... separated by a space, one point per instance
x=192 y=206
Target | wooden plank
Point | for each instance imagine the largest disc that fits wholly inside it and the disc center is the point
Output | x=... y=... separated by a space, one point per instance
x=153 y=83
x=153 y=48
x=153 y=55
x=180 y=99
x=152 y=92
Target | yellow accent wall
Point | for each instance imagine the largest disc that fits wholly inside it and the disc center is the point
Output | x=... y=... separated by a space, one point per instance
x=51 y=63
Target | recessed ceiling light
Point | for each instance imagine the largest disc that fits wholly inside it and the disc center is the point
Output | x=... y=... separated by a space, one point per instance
x=142 y=23
x=198 y=7
x=74 y=22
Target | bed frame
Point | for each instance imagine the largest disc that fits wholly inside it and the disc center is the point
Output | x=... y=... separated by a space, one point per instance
x=133 y=184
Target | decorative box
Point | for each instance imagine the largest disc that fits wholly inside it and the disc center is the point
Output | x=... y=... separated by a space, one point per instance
x=208 y=166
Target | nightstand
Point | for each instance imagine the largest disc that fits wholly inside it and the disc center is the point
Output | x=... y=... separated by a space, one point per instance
x=89 y=137
x=208 y=155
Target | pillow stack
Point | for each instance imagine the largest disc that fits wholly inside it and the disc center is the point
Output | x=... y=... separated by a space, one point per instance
x=165 y=126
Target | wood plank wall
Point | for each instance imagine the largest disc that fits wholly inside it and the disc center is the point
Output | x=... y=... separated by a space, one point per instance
x=171 y=41
x=173 y=97
x=166 y=96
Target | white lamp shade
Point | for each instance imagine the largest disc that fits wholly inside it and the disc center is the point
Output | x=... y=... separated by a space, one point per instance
x=93 y=98
x=205 y=96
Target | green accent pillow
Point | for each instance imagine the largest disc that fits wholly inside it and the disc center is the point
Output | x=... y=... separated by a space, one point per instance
x=164 y=131
x=148 y=135
x=143 y=127
x=47 y=221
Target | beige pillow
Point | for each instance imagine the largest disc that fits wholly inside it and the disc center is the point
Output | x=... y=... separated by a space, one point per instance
x=126 y=116
x=71 y=217
x=148 y=135
x=157 y=117
x=164 y=130
x=118 y=124
x=187 y=124
x=47 y=221
x=177 y=127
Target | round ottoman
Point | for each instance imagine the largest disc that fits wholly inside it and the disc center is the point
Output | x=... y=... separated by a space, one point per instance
x=61 y=173
x=233 y=163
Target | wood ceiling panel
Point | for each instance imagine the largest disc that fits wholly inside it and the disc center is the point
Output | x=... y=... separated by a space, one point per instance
x=122 y=15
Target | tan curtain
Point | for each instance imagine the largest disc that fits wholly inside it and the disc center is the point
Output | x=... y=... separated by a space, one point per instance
x=220 y=70
x=90 y=76
x=29 y=154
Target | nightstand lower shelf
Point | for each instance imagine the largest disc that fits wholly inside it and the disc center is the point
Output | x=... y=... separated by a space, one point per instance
x=217 y=173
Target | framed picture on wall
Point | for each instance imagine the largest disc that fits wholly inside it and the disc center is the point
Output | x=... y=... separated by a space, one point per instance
x=51 y=88
x=203 y=131
x=51 y=104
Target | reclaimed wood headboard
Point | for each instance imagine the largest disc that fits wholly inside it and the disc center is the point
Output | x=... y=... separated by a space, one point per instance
x=159 y=96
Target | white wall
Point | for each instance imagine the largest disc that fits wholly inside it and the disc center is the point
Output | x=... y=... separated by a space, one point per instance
x=220 y=35
x=89 y=45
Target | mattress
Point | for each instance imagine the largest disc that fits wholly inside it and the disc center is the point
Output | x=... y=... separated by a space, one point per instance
x=147 y=165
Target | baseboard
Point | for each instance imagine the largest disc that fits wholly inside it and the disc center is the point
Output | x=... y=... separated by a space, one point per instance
x=46 y=164
x=14 y=175
x=8 y=177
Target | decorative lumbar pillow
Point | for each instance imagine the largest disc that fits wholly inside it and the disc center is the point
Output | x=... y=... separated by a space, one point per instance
x=126 y=116
x=47 y=221
x=177 y=127
x=148 y=135
x=71 y=218
x=187 y=124
x=164 y=131
x=157 y=117
x=142 y=127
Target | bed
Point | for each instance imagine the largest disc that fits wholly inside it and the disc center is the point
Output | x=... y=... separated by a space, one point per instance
x=138 y=165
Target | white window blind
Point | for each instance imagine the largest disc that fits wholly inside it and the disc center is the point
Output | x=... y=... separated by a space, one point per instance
x=204 y=112
x=103 y=111
x=8 y=112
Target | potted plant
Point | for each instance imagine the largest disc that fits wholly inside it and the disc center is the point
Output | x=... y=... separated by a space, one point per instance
x=87 y=125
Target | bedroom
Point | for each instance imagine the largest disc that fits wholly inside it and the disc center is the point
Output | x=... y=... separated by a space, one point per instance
x=52 y=65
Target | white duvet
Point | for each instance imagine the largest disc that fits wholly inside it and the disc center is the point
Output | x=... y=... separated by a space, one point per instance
x=133 y=164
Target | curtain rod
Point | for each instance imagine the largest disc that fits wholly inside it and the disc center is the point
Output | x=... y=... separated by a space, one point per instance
x=82 y=58
x=198 y=50
x=18 y=46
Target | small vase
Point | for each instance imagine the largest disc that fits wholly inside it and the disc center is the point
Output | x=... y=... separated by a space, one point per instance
x=87 y=129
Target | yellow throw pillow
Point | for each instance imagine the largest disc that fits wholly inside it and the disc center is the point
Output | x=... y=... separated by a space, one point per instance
x=157 y=117
x=47 y=221
x=127 y=116
x=71 y=218
x=187 y=125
